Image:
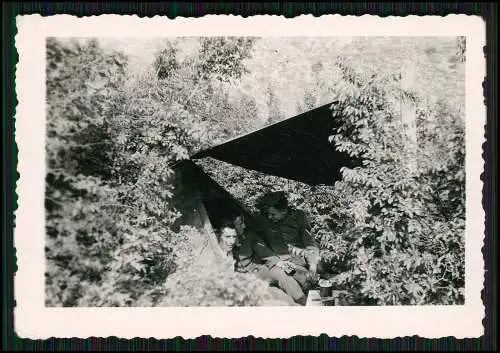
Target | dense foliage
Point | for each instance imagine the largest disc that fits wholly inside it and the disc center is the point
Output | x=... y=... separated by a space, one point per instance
x=199 y=285
x=405 y=220
x=107 y=215
x=391 y=231
x=111 y=146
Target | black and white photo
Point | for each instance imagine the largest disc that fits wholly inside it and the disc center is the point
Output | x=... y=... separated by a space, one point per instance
x=275 y=171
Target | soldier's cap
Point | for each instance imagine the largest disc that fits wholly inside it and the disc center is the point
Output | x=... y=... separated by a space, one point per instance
x=272 y=199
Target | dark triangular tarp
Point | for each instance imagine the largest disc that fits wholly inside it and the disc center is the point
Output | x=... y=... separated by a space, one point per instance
x=297 y=148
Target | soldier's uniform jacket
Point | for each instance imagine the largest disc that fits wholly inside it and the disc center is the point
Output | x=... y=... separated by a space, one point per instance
x=293 y=231
x=250 y=251
x=254 y=252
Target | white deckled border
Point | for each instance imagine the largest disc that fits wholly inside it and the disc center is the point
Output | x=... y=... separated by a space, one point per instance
x=33 y=320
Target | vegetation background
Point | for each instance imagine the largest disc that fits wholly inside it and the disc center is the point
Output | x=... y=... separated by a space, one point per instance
x=120 y=112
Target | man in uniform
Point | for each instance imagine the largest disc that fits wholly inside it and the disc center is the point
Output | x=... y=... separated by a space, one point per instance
x=288 y=250
x=290 y=229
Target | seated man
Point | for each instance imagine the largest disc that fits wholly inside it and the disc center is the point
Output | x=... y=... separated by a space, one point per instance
x=254 y=255
x=289 y=236
x=290 y=229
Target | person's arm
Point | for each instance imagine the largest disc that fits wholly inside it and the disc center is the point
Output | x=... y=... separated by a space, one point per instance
x=245 y=250
x=265 y=253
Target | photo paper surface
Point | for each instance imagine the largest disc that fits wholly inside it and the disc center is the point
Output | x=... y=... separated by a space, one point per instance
x=262 y=176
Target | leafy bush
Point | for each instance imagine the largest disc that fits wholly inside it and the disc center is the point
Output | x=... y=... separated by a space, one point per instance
x=223 y=58
x=214 y=285
x=107 y=215
x=110 y=187
x=406 y=214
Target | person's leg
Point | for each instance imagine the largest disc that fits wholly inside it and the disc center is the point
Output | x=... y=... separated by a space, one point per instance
x=301 y=276
x=265 y=274
x=288 y=284
x=279 y=295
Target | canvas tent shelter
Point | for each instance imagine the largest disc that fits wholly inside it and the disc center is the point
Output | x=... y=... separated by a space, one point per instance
x=297 y=148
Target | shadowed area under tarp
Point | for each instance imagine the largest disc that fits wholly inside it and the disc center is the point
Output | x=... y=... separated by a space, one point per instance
x=297 y=148
x=220 y=205
x=200 y=191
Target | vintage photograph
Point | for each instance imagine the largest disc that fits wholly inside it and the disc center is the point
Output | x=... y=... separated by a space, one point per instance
x=262 y=176
x=255 y=171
